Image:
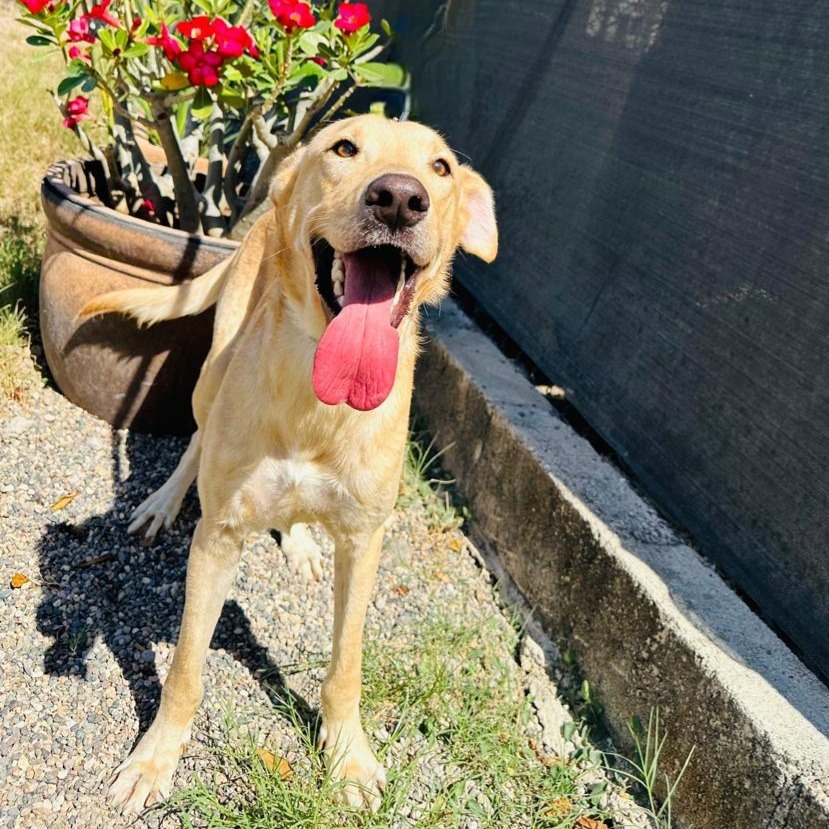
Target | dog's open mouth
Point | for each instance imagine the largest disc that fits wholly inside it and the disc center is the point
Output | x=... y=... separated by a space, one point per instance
x=369 y=291
x=333 y=269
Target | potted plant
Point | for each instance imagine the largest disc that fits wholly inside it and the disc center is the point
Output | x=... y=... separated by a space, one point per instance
x=198 y=102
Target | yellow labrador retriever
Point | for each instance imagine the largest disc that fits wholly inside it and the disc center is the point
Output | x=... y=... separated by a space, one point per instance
x=302 y=404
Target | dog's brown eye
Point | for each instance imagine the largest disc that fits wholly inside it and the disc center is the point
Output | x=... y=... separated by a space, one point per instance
x=345 y=149
x=441 y=168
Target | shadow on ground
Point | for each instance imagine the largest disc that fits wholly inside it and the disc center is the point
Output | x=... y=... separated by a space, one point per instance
x=100 y=582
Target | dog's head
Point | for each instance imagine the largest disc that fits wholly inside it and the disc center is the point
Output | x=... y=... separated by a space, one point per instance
x=374 y=210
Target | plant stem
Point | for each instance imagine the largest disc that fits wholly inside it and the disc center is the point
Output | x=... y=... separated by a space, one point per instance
x=255 y=204
x=234 y=162
x=187 y=199
x=213 y=221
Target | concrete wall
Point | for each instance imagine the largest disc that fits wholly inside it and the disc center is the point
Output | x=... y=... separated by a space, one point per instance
x=660 y=168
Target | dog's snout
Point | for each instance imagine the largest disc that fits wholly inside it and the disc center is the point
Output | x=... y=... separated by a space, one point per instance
x=397 y=200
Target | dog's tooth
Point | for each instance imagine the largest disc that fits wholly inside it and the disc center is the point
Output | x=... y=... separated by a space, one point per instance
x=338 y=289
x=401 y=282
x=340 y=301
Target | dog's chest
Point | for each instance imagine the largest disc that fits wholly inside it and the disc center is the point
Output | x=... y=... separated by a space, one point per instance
x=285 y=491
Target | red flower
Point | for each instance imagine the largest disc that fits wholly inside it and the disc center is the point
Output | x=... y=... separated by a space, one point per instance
x=351 y=17
x=171 y=47
x=199 y=28
x=292 y=15
x=76 y=110
x=202 y=67
x=78 y=30
x=148 y=206
x=136 y=24
x=232 y=41
x=76 y=53
x=35 y=6
x=101 y=12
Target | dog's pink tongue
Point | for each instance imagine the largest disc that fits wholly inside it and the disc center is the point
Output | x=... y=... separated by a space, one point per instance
x=356 y=359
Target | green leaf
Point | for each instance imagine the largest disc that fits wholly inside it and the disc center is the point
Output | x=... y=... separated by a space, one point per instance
x=39 y=40
x=232 y=98
x=68 y=84
x=182 y=113
x=366 y=42
x=137 y=50
x=107 y=40
x=202 y=104
x=309 y=42
x=89 y=84
x=380 y=74
x=384 y=25
x=307 y=70
x=568 y=731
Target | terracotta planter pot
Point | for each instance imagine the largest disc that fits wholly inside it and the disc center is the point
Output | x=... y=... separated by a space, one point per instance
x=131 y=377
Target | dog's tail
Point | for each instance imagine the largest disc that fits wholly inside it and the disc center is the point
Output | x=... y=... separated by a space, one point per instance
x=152 y=305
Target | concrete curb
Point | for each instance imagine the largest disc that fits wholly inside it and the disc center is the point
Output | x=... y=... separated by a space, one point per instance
x=651 y=623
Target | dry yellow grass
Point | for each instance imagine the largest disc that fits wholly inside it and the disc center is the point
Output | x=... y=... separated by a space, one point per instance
x=33 y=136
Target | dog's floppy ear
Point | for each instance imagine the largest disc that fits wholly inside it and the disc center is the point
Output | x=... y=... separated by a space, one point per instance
x=282 y=184
x=479 y=231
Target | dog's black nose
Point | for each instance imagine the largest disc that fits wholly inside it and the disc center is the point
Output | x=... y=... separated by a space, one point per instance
x=396 y=200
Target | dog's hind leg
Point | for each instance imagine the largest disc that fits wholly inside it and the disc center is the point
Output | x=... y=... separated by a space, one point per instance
x=302 y=552
x=146 y=776
x=346 y=747
x=164 y=504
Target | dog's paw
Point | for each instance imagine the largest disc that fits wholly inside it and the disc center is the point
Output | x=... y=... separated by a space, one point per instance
x=302 y=553
x=160 y=508
x=145 y=778
x=351 y=760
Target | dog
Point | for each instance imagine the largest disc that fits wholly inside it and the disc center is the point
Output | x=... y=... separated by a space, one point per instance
x=302 y=404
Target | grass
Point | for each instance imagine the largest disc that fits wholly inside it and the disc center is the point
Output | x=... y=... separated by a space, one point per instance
x=423 y=484
x=645 y=771
x=450 y=698
x=32 y=139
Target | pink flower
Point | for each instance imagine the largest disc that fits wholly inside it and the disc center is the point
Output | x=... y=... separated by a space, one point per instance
x=351 y=17
x=147 y=206
x=292 y=15
x=171 y=47
x=232 y=41
x=76 y=110
x=136 y=24
x=76 y=53
x=101 y=12
x=202 y=66
x=78 y=30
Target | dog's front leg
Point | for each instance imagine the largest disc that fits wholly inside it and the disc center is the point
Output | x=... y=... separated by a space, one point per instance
x=146 y=776
x=346 y=747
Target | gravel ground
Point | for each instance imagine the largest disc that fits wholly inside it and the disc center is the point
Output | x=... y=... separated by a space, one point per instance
x=83 y=645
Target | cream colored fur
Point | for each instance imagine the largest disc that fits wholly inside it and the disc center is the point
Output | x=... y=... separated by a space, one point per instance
x=267 y=454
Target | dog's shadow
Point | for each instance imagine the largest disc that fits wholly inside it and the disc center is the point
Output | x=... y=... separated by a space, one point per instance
x=99 y=582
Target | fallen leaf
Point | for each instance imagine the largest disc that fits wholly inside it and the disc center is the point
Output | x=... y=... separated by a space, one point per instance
x=64 y=501
x=18 y=580
x=272 y=763
x=401 y=590
x=585 y=822
x=455 y=544
x=558 y=808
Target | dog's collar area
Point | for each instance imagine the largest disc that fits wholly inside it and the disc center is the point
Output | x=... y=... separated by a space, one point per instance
x=332 y=275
